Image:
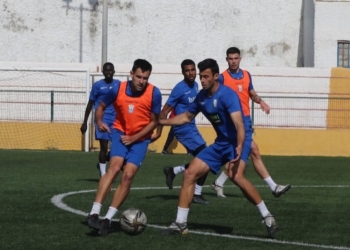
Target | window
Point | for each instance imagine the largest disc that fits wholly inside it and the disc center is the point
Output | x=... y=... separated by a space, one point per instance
x=344 y=54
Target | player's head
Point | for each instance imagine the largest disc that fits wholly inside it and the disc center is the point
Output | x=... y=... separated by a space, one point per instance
x=233 y=58
x=188 y=68
x=208 y=73
x=140 y=73
x=108 y=71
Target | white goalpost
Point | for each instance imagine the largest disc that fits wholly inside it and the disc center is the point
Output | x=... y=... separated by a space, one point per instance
x=50 y=99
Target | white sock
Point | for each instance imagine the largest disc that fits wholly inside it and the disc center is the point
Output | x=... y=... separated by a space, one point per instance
x=103 y=168
x=111 y=212
x=263 y=209
x=96 y=208
x=220 y=181
x=178 y=169
x=198 y=190
x=271 y=183
x=182 y=214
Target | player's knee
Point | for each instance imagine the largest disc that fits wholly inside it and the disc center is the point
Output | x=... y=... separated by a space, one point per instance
x=189 y=175
x=255 y=153
x=127 y=178
x=237 y=179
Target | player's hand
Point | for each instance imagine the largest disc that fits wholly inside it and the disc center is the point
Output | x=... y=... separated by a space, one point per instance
x=264 y=107
x=103 y=127
x=83 y=128
x=239 y=153
x=127 y=139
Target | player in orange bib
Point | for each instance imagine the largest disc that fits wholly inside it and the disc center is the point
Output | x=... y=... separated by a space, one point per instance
x=137 y=104
x=241 y=82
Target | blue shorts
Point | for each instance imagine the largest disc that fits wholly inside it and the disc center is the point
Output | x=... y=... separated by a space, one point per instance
x=216 y=155
x=134 y=153
x=104 y=135
x=247 y=145
x=189 y=137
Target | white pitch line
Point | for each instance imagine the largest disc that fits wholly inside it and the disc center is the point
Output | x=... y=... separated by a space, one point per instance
x=57 y=200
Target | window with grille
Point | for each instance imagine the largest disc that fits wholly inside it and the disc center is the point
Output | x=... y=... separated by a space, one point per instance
x=344 y=54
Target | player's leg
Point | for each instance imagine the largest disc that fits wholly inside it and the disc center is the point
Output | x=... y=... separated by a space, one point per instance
x=260 y=169
x=104 y=187
x=196 y=169
x=118 y=151
x=236 y=174
x=104 y=138
x=168 y=141
x=199 y=166
x=133 y=158
x=218 y=184
x=192 y=140
x=103 y=156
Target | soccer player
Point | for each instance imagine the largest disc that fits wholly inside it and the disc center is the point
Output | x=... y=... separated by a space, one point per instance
x=241 y=82
x=98 y=91
x=181 y=97
x=221 y=106
x=138 y=104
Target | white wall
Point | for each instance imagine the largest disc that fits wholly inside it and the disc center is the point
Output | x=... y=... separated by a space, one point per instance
x=332 y=19
x=164 y=32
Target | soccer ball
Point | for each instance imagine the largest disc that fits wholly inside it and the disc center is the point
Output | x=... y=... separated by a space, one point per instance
x=133 y=221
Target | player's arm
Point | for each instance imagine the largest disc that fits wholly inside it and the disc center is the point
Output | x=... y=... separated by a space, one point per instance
x=238 y=122
x=98 y=116
x=129 y=139
x=163 y=115
x=88 y=109
x=107 y=100
x=180 y=119
x=257 y=99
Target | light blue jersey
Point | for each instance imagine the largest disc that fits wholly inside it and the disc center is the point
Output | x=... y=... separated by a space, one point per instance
x=180 y=99
x=98 y=91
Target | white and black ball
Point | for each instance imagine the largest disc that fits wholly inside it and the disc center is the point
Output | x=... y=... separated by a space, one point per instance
x=133 y=221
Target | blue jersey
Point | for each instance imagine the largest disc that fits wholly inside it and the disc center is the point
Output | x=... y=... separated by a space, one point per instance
x=217 y=109
x=181 y=98
x=98 y=91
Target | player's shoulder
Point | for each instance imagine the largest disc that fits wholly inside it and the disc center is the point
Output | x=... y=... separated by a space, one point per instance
x=244 y=71
x=226 y=91
x=156 y=90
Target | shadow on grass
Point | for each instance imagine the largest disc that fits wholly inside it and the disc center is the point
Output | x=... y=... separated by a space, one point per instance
x=115 y=227
x=89 y=180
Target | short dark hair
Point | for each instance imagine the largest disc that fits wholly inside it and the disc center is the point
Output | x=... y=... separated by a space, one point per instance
x=108 y=64
x=209 y=64
x=233 y=50
x=187 y=62
x=143 y=64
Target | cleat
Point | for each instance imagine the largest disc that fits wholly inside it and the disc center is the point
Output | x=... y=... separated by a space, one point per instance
x=98 y=168
x=104 y=226
x=93 y=221
x=177 y=228
x=200 y=200
x=219 y=190
x=169 y=175
x=270 y=223
x=281 y=190
x=164 y=152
